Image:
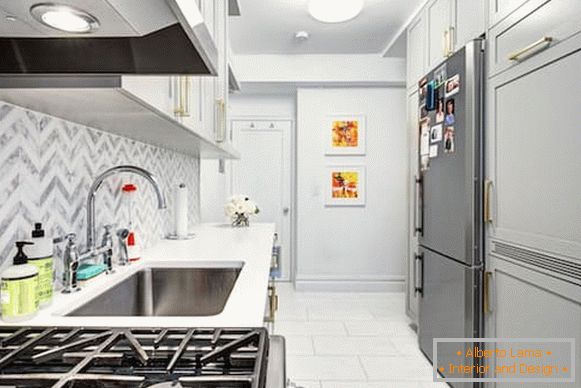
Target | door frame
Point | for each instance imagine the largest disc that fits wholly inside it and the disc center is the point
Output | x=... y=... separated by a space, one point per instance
x=293 y=183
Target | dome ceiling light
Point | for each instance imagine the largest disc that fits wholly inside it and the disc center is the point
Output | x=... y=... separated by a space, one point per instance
x=335 y=11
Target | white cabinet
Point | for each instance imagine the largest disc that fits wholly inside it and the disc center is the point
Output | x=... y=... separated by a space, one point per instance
x=199 y=103
x=470 y=21
x=416 y=51
x=439 y=29
x=499 y=9
x=533 y=254
x=535 y=29
x=522 y=303
x=154 y=90
x=533 y=140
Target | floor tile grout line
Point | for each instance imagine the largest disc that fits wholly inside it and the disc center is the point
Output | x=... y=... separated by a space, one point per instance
x=363 y=368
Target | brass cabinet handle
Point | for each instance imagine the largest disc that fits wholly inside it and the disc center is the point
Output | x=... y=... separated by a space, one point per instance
x=487 y=290
x=183 y=88
x=488 y=185
x=450 y=41
x=517 y=54
x=446 y=42
x=221 y=120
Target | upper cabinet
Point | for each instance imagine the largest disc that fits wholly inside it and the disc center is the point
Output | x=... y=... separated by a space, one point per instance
x=470 y=21
x=499 y=9
x=532 y=33
x=440 y=29
x=416 y=49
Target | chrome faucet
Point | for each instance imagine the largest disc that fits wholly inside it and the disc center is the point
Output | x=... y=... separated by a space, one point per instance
x=71 y=255
x=97 y=184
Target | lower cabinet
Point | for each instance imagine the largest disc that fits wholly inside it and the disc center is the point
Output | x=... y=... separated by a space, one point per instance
x=525 y=303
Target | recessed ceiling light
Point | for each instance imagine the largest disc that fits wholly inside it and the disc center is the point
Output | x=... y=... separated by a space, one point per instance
x=65 y=18
x=335 y=11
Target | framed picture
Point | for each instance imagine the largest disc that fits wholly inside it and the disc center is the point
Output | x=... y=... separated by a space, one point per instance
x=346 y=186
x=345 y=135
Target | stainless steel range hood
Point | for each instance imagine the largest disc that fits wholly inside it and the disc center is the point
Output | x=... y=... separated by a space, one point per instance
x=145 y=37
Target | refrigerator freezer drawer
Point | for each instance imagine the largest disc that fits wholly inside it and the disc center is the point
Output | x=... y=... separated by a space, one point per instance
x=449 y=302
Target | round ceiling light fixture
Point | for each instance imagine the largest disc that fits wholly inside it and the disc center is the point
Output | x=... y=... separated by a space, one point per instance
x=335 y=11
x=64 y=18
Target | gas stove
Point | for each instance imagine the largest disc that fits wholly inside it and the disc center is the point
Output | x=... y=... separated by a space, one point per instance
x=124 y=357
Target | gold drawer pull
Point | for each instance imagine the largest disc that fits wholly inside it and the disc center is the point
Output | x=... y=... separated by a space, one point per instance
x=544 y=40
x=488 y=185
x=487 y=291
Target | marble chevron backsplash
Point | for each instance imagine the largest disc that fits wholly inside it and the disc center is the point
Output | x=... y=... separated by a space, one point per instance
x=46 y=168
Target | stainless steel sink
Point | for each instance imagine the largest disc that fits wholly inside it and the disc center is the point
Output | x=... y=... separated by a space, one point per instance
x=186 y=292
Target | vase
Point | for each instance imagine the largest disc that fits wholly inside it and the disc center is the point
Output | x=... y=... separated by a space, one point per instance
x=241 y=220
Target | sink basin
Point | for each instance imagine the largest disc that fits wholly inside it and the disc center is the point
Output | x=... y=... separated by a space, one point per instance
x=186 y=292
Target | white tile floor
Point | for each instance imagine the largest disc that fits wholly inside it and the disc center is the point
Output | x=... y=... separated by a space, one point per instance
x=350 y=340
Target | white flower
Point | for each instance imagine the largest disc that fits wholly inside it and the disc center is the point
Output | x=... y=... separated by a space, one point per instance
x=240 y=204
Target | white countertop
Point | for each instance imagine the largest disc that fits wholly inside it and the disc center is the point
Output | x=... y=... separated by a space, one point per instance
x=213 y=246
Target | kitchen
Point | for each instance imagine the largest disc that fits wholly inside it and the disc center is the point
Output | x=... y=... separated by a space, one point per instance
x=315 y=193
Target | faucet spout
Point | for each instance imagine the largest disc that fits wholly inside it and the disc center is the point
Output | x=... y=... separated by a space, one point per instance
x=161 y=204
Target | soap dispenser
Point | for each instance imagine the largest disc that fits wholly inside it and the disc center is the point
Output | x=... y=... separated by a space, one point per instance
x=19 y=288
x=40 y=254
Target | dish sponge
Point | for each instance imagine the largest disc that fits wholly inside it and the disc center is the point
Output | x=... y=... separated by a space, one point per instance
x=89 y=271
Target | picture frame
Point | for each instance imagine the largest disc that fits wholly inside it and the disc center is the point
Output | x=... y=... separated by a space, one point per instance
x=345 y=134
x=346 y=185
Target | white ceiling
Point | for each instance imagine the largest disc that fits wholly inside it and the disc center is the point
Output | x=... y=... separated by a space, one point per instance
x=269 y=26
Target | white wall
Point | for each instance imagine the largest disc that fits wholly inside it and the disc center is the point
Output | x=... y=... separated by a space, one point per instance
x=352 y=247
x=215 y=187
x=320 y=69
x=269 y=105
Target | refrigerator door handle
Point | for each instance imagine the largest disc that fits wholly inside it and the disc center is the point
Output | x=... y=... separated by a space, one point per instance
x=419 y=273
x=418 y=207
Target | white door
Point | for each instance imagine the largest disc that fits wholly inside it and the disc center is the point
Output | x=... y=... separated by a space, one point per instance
x=264 y=173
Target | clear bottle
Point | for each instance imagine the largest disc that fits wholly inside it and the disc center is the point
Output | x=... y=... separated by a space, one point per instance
x=133 y=247
x=19 y=288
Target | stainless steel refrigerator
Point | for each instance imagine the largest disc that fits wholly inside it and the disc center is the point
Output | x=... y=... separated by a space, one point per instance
x=449 y=201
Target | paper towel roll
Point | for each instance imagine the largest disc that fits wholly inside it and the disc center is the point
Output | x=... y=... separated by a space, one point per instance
x=181 y=211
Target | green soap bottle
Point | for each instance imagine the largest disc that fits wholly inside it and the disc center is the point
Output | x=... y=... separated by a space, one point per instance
x=19 y=288
x=41 y=256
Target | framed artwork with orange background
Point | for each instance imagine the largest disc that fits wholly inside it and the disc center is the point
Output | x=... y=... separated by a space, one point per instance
x=345 y=135
x=346 y=186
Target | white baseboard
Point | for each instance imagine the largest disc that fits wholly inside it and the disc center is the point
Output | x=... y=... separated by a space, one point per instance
x=339 y=285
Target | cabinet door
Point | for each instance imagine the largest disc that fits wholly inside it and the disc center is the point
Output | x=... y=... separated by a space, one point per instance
x=416 y=51
x=188 y=98
x=534 y=142
x=439 y=19
x=153 y=90
x=412 y=123
x=470 y=21
x=528 y=304
x=499 y=9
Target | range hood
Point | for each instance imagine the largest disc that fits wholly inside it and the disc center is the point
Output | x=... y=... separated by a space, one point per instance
x=134 y=37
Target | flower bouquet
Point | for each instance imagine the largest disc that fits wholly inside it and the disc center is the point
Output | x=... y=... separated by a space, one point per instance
x=239 y=208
